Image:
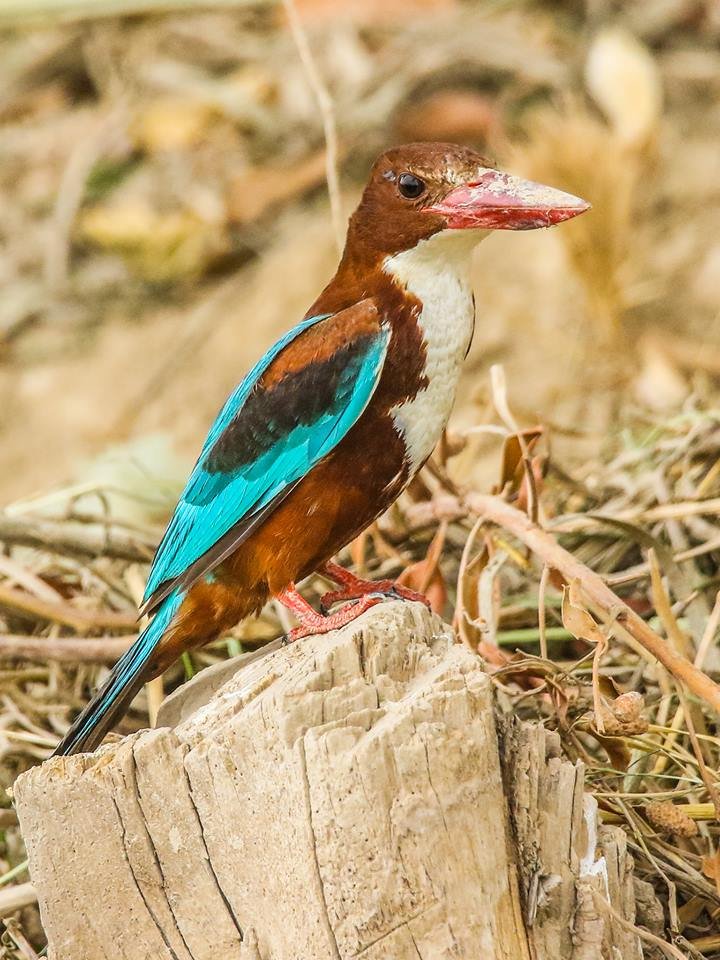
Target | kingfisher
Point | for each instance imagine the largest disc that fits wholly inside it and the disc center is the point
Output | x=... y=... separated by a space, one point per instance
x=333 y=422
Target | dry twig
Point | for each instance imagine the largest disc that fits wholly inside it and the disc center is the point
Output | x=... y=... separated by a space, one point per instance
x=80 y=620
x=74 y=538
x=65 y=650
x=327 y=112
x=550 y=551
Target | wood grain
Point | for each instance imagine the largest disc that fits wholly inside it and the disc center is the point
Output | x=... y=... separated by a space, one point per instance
x=339 y=798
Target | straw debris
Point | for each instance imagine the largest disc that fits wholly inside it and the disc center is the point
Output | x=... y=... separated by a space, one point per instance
x=157 y=171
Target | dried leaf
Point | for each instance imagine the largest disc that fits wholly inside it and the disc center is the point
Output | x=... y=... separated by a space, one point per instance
x=527 y=490
x=459 y=115
x=617 y=751
x=578 y=621
x=159 y=246
x=416 y=577
x=489 y=597
x=171 y=123
x=512 y=472
x=357 y=552
x=561 y=701
x=659 y=384
x=623 y=78
x=258 y=190
x=497 y=657
x=418 y=490
x=711 y=866
x=576 y=618
x=425 y=575
x=471 y=566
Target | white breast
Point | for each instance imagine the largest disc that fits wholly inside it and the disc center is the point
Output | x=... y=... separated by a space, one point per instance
x=436 y=271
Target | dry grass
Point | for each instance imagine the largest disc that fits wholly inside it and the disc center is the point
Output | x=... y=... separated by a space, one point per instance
x=156 y=174
x=646 y=517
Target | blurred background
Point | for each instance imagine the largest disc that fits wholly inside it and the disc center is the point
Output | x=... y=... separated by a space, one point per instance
x=165 y=212
x=165 y=216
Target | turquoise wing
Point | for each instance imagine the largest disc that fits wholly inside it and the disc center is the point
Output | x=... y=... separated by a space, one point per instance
x=266 y=438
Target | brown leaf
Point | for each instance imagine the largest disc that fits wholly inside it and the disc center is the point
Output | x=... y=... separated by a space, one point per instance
x=561 y=702
x=576 y=618
x=468 y=593
x=418 y=490
x=512 y=470
x=617 y=751
x=537 y=465
x=451 y=114
x=609 y=688
x=711 y=866
x=497 y=657
x=260 y=189
x=425 y=575
x=515 y=668
x=578 y=621
x=416 y=577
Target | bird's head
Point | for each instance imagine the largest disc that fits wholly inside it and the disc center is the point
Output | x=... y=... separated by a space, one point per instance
x=422 y=189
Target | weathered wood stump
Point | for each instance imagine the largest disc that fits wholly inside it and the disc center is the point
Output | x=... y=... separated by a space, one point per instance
x=341 y=797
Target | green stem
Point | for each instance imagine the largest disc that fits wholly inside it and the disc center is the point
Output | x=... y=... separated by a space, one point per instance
x=507 y=638
x=234 y=647
x=15 y=872
x=188 y=664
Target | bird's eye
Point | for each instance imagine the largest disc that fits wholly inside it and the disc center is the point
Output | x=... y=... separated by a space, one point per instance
x=410 y=186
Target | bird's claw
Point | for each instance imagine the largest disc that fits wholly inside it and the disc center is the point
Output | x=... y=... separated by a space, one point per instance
x=312 y=624
x=399 y=592
x=382 y=589
x=337 y=596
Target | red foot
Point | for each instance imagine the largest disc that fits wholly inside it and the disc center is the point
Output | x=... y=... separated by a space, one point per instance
x=312 y=622
x=354 y=588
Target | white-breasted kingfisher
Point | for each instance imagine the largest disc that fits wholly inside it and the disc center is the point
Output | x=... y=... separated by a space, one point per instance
x=329 y=427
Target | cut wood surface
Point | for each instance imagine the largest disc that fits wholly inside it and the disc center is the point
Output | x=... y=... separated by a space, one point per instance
x=343 y=797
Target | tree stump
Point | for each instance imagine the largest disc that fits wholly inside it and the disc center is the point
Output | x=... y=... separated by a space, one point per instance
x=343 y=797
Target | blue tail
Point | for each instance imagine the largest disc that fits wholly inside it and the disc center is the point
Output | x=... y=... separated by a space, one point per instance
x=126 y=678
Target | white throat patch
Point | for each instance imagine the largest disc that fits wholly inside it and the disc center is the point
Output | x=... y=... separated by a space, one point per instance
x=437 y=272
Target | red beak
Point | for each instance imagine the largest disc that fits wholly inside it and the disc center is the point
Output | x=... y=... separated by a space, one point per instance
x=499 y=201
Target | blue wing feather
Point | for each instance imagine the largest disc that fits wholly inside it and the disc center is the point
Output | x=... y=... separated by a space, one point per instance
x=120 y=686
x=236 y=399
x=214 y=502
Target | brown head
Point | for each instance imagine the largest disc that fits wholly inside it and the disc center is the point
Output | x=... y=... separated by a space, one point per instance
x=420 y=189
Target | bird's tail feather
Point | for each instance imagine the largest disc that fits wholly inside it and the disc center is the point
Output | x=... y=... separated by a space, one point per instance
x=125 y=680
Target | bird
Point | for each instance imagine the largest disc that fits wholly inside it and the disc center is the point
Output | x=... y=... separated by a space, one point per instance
x=333 y=422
